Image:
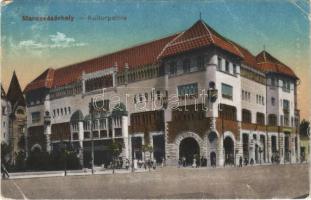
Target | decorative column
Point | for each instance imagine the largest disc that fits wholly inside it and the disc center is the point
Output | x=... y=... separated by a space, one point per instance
x=47 y=132
x=220 y=152
x=281 y=147
x=81 y=138
x=83 y=83
x=269 y=149
x=125 y=135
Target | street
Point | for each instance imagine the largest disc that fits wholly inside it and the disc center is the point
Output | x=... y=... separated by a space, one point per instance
x=266 y=181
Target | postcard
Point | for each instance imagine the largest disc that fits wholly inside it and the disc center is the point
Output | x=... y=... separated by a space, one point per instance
x=107 y=99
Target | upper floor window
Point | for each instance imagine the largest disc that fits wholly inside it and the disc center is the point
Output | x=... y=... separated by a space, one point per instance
x=200 y=62
x=186 y=65
x=286 y=86
x=189 y=89
x=272 y=119
x=173 y=68
x=3 y=110
x=227 y=68
x=285 y=104
x=246 y=116
x=226 y=91
x=219 y=59
x=272 y=101
x=260 y=118
x=35 y=117
x=234 y=68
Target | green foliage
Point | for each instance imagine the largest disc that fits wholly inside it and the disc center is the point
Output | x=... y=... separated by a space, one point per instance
x=20 y=162
x=303 y=128
x=147 y=148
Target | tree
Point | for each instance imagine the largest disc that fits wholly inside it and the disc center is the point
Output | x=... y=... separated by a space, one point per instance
x=304 y=128
x=116 y=149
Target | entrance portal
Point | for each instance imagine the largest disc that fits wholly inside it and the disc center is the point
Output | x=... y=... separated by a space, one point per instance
x=189 y=149
x=229 y=151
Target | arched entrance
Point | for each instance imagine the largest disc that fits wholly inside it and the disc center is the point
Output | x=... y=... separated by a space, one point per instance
x=229 y=151
x=188 y=149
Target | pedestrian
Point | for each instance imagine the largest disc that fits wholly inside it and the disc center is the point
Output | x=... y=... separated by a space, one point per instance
x=184 y=161
x=5 y=173
x=252 y=161
x=240 y=161
x=127 y=164
x=194 y=164
x=154 y=164
x=162 y=164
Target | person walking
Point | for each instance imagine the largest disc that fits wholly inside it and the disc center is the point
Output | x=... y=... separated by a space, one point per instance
x=5 y=173
x=240 y=161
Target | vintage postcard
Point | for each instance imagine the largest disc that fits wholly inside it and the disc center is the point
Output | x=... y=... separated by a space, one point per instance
x=109 y=99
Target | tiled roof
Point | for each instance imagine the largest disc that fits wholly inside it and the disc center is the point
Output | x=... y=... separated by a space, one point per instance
x=44 y=80
x=136 y=56
x=197 y=36
x=267 y=63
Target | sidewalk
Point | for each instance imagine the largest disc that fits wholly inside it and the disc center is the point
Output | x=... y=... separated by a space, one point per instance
x=42 y=174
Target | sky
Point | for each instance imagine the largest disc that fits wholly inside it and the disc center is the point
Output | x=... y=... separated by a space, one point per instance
x=30 y=47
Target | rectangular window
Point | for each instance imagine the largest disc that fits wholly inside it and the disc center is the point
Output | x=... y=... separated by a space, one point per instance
x=226 y=91
x=173 y=68
x=189 y=89
x=219 y=63
x=234 y=68
x=285 y=104
x=35 y=117
x=186 y=65
x=200 y=62
x=227 y=66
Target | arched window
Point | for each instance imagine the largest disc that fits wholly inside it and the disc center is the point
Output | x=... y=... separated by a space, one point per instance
x=272 y=120
x=246 y=116
x=260 y=118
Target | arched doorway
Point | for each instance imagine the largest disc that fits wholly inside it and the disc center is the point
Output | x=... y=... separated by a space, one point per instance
x=188 y=149
x=229 y=151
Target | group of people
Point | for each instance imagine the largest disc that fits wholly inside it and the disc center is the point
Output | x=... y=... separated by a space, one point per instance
x=147 y=164
x=246 y=161
x=196 y=162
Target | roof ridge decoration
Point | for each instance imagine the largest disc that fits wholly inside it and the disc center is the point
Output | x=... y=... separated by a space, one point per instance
x=180 y=34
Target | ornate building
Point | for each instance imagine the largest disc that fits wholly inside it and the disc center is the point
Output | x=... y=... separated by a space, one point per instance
x=13 y=118
x=190 y=93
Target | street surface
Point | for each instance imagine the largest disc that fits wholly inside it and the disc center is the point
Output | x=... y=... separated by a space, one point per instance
x=267 y=181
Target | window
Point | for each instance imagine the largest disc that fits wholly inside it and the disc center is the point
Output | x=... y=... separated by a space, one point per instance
x=260 y=118
x=272 y=101
x=286 y=86
x=272 y=120
x=173 y=68
x=65 y=110
x=57 y=112
x=35 y=117
x=186 y=65
x=54 y=113
x=200 y=62
x=227 y=66
x=3 y=110
x=158 y=95
x=61 y=111
x=219 y=63
x=189 y=89
x=226 y=91
x=146 y=96
x=246 y=116
x=69 y=111
x=281 y=120
x=285 y=104
x=234 y=68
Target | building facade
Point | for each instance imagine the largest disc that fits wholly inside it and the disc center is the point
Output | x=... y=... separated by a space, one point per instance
x=13 y=118
x=194 y=93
